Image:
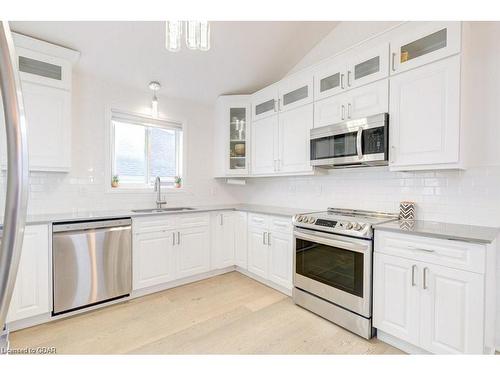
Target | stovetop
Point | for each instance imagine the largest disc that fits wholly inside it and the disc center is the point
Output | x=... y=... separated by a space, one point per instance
x=355 y=223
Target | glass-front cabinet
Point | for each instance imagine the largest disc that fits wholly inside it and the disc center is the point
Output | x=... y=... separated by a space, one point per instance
x=232 y=131
x=429 y=41
x=368 y=65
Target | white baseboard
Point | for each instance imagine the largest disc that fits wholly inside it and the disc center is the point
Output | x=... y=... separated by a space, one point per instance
x=400 y=344
x=287 y=291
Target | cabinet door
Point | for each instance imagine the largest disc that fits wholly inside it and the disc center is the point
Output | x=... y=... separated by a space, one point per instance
x=368 y=100
x=240 y=251
x=452 y=310
x=31 y=291
x=265 y=103
x=280 y=258
x=368 y=65
x=425 y=115
x=294 y=144
x=48 y=122
x=396 y=297
x=329 y=78
x=295 y=91
x=264 y=145
x=257 y=252
x=419 y=43
x=223 y=244
x=154 y=261
x=330 y=110
x=192 y=251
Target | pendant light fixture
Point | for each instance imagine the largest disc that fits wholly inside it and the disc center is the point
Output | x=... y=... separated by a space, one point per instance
x=155 y=87
x=197 y=35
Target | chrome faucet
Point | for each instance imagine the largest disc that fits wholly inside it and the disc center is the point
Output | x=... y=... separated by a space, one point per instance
x=159 y=202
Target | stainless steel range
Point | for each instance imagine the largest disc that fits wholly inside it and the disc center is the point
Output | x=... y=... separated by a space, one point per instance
x=333 y=253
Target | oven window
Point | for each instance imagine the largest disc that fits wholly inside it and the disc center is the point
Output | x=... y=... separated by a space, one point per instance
x=336 y=267
x=345 y=145
x=321 y=148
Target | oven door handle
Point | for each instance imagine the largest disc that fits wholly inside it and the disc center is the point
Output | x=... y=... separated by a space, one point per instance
x=348 y=245
x=358 y=143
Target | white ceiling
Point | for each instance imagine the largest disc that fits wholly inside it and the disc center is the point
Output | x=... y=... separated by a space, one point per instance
x=245 y=56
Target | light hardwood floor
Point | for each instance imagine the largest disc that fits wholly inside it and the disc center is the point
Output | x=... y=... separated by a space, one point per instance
x=226 y=314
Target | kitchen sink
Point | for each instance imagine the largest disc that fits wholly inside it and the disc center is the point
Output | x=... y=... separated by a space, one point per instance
x=159 y=210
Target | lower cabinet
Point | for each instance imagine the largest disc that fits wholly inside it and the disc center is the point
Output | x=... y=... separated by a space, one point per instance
x=31 y=294
x=170 y=248
x=240 y=243
x=223 y=239
x=270 y=248
x=435 y=307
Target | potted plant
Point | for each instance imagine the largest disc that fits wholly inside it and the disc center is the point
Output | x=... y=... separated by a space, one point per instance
x=115 y=181
x=177 y=181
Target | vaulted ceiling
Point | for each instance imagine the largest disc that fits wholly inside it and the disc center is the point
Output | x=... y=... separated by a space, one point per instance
x=245 y=56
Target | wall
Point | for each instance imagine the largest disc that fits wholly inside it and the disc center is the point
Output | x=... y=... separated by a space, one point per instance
x=470 y=196
x=85 y=187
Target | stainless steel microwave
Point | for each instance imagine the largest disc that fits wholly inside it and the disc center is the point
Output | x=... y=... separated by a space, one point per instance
x=353 y=143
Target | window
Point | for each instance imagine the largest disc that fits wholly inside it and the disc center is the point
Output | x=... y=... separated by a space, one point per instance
x=144 y=148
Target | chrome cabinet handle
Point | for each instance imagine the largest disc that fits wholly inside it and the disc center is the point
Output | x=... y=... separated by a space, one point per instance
x=424 y=281
x=268 y=239
x=393 y=61
x=221 y=220
x=343 y=112
x=392 y=156
x=279 y=104
x=413 y=268
x=274 y=102
x=173 y=238
x=349 y=78
x=342 y=81
x=178 y=238
x=348 y=110
x=264 y=238
x=420 y=249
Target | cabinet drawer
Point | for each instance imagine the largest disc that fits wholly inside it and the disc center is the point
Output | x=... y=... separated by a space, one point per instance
x=258 y=221
x=448 y=253
x=193 y=220
x=281 y=225
x=153 y=223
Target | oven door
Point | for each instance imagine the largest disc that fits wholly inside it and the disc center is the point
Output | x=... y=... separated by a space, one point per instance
x=335 y=268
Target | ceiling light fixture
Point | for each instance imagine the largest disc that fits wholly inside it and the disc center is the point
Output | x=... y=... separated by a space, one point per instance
x=155 y=87
x=197 y=35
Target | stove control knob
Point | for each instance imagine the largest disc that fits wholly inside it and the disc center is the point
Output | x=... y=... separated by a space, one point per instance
x=312 y=220
x=298 y=218
x=356 y=226
x=348 y=225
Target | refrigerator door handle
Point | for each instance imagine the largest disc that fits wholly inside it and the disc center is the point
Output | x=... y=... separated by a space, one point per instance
x=17 y=170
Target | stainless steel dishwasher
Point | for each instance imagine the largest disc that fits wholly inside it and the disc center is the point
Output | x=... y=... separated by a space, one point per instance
x=92 y=263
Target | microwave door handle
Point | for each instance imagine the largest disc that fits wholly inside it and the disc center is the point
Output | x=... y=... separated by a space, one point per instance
x=358 y=143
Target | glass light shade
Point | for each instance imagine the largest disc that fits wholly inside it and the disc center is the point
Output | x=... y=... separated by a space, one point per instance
x=154 y=107
x=173 y=35
x=204 y=33
x=192 y=34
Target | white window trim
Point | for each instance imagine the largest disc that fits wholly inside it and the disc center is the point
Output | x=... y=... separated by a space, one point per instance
x=112 y=112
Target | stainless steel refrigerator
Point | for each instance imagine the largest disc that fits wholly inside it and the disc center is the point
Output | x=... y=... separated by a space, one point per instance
x=16 y=192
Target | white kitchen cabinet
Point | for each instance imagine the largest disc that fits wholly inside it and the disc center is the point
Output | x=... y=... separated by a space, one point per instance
x=31 y=296
x=223 y=239
x=433 y=293
x=396 y=297
x=192 y=247
x=367 y=64
x=295 y=91
x=425 y=116
x=419 y=43
x=153 y=260
x=360 y=102
x=329 y=78
x=452 y=311
x=265 y=103
x=265 y=145
x=232 y=135
x=294 y=145
x=270 y=249
x=240 y=245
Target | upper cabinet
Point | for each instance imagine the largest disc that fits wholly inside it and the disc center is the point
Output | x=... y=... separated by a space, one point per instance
x=419 y=43
x=295 y=91
x=265 y=103
x=45 y=71
x=329 y=79
x=232 y=130
x=368 y=65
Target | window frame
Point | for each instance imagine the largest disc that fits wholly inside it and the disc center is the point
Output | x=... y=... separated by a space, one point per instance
x=146 y=121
